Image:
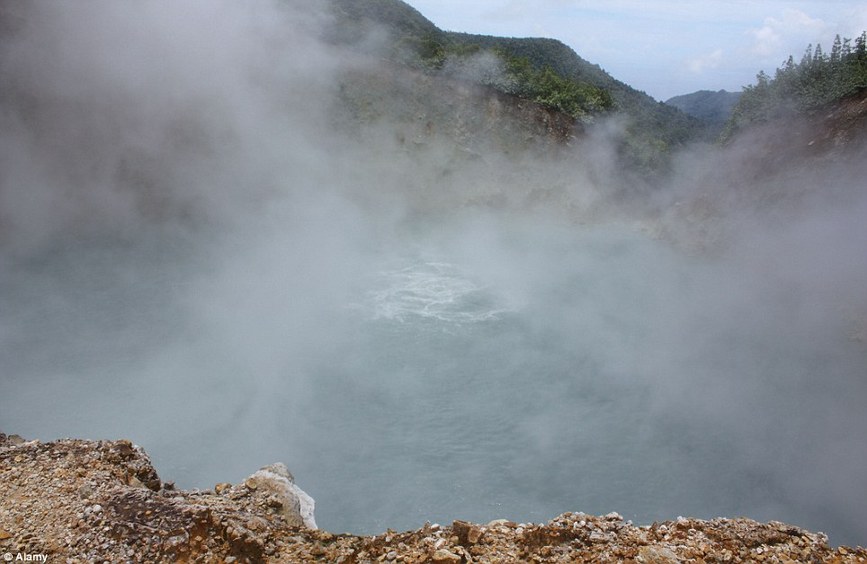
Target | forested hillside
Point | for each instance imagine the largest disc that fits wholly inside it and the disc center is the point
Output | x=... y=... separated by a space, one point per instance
x=819 y=79
x=713 y=108
x=653 y=128
x=544 y=71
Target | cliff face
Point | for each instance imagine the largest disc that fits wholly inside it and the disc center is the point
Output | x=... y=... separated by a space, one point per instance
x=102 y=500
x=92 y=501
x=834 y=133
x=781 y=166
x=422 y=108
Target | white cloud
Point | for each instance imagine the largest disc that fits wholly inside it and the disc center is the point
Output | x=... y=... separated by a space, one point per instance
x=778 y=35
x=857 y=21
x=712 y=60
x=767 y=41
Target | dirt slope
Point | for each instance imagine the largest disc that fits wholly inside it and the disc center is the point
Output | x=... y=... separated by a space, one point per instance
x=102 y=501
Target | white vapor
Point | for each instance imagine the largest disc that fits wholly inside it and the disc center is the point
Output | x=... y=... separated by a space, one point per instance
x=236 y=243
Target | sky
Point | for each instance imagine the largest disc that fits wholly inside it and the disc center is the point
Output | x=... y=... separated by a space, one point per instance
x=666 y=47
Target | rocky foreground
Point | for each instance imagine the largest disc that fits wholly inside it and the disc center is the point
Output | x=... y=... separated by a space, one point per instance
x=102 y=501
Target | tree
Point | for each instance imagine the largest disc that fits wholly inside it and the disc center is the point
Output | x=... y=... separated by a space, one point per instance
x=836 y=50
x=861 y=46
x=818 y=55
x=807 y=59
x=817 y=80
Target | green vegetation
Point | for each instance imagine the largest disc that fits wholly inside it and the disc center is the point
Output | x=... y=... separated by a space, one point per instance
x=714 y=108
x=553 y=90
x=544 y=71
x=819 y=79
x=528 y=75
x=551 y=73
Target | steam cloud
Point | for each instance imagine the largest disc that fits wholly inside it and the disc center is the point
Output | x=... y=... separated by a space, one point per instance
x=194 y=233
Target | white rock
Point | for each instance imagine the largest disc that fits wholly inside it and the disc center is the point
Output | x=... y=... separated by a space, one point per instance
x=275 y=480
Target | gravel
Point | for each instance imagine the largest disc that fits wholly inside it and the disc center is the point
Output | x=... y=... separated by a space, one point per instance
x=102 y=501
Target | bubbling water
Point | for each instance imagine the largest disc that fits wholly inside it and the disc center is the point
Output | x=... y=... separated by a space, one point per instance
x=431 y=290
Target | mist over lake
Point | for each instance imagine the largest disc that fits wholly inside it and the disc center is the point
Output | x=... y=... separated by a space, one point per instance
x=231 y=272
x=481 y=371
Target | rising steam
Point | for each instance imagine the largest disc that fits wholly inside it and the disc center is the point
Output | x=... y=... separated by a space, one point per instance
x=214 y=240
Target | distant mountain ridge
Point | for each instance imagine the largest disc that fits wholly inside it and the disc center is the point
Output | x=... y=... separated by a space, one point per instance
x=712 y=107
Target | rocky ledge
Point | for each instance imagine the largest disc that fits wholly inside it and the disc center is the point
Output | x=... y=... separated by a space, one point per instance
x=98 y=501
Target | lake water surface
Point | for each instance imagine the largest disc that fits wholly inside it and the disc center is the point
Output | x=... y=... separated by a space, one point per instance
x=518 y=374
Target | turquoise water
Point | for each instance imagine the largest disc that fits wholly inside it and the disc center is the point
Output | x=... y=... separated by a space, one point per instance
x=519 y=377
